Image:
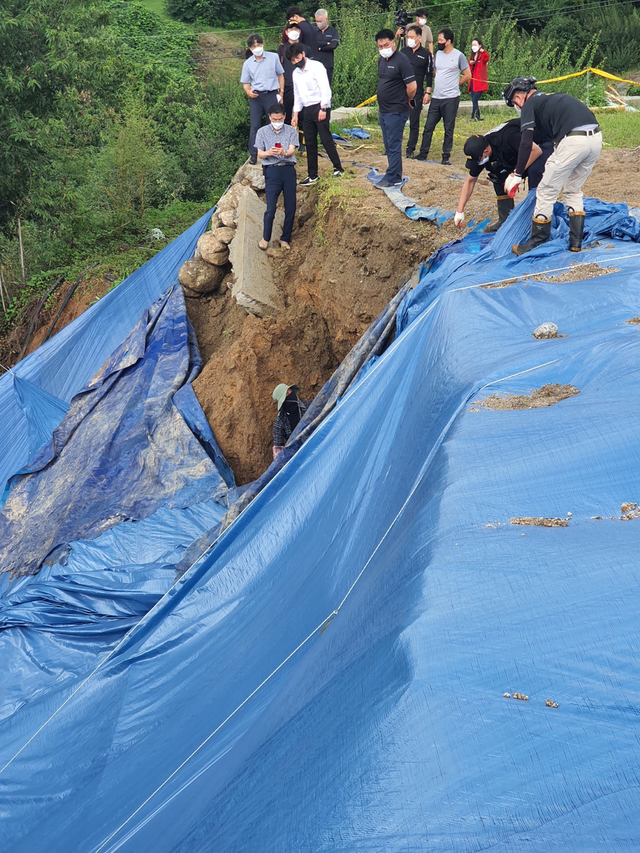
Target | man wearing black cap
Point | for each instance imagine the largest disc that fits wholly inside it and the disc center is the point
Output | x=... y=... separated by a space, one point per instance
x=290 y=410
x=497 y=152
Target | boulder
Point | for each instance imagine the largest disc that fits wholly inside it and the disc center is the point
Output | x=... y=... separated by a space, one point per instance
x=230 y=199
x=225 y=235
x=251 y=175
x=227 y=218
x=198 y=277
x=212 y=250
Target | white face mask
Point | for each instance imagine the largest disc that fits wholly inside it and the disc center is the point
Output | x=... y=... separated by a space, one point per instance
x=320 y=25
x=475 y=47
x=483 y=161
x=386 y=52
x=411 y=42
x=257 y=51
x=518 y=109
x=294 y=35
x=277 y=125
x=422 y=21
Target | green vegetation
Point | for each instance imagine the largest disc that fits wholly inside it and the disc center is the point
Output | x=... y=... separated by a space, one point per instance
x=105 y=127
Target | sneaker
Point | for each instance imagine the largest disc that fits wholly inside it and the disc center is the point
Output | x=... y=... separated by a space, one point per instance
x=308 y=181
x=446 y=161
x=422 y=158
x=338 y=173
x=253 y=161
x=385 y=182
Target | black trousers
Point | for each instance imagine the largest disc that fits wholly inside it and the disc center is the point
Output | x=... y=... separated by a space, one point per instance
x=447 y=110
x=313 y=127
x=414 y=121
x=279 y=179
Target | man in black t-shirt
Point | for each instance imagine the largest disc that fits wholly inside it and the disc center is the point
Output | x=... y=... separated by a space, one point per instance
x=422 y=62
x=396 y=87
x=327 y=41
x=308 y=33
x=497 y=152
x=573 y=129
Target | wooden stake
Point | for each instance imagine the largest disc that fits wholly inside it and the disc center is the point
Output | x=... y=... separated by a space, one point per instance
x=2 y=290
x=24 y=277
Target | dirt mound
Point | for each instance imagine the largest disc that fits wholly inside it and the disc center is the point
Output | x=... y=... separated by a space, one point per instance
x=548 y=395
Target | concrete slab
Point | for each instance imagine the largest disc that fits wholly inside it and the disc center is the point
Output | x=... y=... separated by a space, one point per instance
x=254 y=288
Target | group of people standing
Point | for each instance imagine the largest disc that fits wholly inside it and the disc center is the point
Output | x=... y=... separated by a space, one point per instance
x=293 y=88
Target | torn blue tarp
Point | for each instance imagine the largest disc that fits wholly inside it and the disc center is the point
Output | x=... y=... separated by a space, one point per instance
x=123 y=449
x=338 y=672
x=409 y=206
x=66 y=362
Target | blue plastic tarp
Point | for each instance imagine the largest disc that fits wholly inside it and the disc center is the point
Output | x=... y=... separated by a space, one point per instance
x=66 y=362
x=330 y=675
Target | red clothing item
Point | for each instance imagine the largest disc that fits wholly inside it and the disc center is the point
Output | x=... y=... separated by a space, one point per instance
x=479 y=73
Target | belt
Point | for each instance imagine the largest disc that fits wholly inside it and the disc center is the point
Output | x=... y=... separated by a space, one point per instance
x=584 y=132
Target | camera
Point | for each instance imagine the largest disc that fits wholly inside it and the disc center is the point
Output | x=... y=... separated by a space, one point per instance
x=400 y=19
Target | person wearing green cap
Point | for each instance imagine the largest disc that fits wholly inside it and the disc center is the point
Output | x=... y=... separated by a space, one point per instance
x=290 y=410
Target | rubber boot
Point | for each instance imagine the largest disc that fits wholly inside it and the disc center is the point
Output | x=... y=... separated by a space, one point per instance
x=576 y=229
x=505 y=206
x=540 y=233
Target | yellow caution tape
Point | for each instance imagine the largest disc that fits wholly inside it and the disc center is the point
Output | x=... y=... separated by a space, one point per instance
x=542 y=82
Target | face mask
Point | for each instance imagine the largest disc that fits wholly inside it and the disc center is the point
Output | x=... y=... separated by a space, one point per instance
x=277 y=125
x=441 y=46
x=257 y=51
x=518 y=109
x=319 y=25
x=386 y=52
x=475 y=48
x=301 y=64
x=294 y=35
x=411 y=42
x=483 y=161
x=422 y=21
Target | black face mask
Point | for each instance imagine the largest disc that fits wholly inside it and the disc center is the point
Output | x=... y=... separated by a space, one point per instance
x=301 y=64
x=441 y=46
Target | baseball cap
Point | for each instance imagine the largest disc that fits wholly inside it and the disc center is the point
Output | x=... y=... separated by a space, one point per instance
x=473 y=148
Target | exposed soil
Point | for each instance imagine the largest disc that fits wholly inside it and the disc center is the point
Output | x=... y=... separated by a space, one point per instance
x=339 y=275
x=534 y=521
x=548 y=395
x=351 y=252
x=634 y=321
x=578 y=272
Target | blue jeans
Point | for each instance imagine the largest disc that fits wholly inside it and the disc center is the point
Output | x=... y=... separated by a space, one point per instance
x=392 y=126
x=475 y=104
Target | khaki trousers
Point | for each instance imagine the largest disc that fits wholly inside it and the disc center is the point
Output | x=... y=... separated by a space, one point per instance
x=566 y=171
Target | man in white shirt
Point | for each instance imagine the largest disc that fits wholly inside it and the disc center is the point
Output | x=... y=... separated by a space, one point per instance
x=449 y=64
x=311 y=90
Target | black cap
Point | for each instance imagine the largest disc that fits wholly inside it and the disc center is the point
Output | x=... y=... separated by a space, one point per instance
x=474 y=148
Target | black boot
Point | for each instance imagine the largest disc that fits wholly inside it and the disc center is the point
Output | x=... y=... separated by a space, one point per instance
x=576 y=229
x=505 y=206
x=540 y=232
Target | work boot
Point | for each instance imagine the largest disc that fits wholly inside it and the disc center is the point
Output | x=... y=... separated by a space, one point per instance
x=576 y=229
x=540 y=233
x=505 y=206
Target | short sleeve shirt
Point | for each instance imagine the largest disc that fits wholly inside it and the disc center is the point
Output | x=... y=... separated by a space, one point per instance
x=267 y=137
x=505 y=144
x=393 y=76
x=552 y=116
x=262 y=74
x=427 y=35
x=448 y=68
x=422 y=63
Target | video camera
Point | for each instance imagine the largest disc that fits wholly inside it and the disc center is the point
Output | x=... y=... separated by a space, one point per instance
x=401 y=19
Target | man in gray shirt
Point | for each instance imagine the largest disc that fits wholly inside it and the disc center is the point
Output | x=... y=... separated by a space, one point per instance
x=262 y=79
x=276 y=144
x=449 y=64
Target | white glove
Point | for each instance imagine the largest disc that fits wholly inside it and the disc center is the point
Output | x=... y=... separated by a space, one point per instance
x=458 y=219
x=511 y=184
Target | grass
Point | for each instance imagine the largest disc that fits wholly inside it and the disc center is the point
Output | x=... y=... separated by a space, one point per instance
x=620 y=129
x=157 y=7
x=334 y=193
